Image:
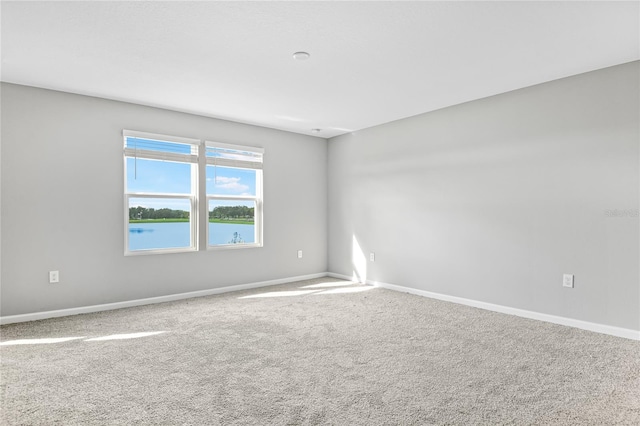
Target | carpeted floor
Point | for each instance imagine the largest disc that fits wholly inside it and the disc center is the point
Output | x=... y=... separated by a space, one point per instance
x=320 y=352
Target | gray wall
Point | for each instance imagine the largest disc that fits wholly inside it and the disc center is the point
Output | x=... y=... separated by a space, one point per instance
x=62 y=204
x=493 y=200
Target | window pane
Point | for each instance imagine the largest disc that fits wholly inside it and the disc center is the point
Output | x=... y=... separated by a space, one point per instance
x=152 y=176
x=159 y=223
x=217 y=152
x=231 y=222
x=159 y=146
x=231 y=181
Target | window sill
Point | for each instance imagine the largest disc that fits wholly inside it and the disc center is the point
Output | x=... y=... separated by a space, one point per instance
x=160 y=251
x=233 y=246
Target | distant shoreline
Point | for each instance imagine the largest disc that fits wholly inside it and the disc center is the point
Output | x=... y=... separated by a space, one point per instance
x=230 y=221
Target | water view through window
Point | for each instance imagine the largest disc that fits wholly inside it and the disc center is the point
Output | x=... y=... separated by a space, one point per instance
x=161 y=194
x=148 y=236
x=167 y=224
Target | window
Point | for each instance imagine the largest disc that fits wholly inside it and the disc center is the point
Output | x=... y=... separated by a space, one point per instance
x=169 y=203
x=161 y=175
x=234 y=195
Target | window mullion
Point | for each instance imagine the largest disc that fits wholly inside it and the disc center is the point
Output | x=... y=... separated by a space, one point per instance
x=203 y=204
x=158 y=195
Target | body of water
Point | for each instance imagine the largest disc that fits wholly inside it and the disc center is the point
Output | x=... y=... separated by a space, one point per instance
x=146 y=236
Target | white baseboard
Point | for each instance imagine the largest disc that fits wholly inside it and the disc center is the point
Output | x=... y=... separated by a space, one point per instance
x=584 y=325
x=151 y=300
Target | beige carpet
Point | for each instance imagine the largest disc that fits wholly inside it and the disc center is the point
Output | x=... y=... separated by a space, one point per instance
x=316 y=352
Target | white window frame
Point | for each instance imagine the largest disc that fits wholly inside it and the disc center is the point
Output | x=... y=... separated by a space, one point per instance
x=198 y=198
x=192 y=197
x=257 y=154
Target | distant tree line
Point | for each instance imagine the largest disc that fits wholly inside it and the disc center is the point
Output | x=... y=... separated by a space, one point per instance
x=142 y=213
x=220 y=212
x=231 y=212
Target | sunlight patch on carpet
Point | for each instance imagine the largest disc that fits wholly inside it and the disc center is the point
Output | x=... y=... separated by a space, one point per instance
x=39 y=341
x=345 y=290
x=330 y=284
x=125 y=336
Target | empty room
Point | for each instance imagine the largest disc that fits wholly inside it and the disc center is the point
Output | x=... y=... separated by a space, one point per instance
x=320 y=213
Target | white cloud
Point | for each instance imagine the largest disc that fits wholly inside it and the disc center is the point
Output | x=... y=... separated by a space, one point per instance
x=231 y=183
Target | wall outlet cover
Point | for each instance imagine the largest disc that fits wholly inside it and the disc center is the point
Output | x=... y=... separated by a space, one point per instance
x=567 y=280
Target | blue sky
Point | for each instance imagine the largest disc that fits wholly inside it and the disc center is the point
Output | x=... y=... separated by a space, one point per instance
x=168 y=177
x=158 y=176
x=229 y=181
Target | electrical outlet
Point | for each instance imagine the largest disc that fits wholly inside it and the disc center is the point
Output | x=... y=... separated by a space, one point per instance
x=372 y=257
x=567 y=280
x=54 y=276
x=299 y=254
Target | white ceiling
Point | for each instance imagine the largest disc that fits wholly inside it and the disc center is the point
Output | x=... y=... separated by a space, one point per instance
x=371 y=62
